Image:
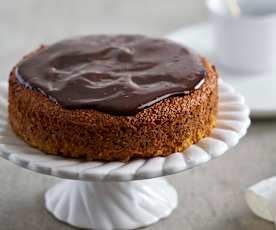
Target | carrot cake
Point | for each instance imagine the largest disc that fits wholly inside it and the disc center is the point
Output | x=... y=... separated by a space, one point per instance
x=113 y=98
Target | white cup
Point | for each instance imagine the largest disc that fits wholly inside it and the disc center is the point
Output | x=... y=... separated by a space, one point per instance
x=246 y=43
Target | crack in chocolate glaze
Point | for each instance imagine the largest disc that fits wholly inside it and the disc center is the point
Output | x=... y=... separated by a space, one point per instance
x=119 y=75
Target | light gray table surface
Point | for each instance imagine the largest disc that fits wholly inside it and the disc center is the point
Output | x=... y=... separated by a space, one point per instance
x=210 y=196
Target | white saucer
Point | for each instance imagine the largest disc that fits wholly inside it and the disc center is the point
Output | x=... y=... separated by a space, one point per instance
x=259 y=90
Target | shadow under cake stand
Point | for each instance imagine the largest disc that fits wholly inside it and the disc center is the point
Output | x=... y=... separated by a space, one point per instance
x=116 y=195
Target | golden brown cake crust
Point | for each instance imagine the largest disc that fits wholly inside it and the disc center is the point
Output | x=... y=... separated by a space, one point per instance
x=166 y=127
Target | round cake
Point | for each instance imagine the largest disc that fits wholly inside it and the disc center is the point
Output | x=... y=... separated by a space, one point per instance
x=113 y=97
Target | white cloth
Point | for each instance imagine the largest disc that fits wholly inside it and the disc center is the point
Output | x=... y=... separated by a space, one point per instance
x=261 y=199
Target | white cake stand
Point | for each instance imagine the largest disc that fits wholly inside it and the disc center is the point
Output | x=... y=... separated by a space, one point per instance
x=115 y=195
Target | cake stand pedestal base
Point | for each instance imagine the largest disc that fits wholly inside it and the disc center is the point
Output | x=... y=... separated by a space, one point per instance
x=111 y=205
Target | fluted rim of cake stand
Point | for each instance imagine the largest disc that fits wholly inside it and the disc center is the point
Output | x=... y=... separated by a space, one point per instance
x=232 y=123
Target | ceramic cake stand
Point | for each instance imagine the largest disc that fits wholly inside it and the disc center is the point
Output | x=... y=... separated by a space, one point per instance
x=116 y=195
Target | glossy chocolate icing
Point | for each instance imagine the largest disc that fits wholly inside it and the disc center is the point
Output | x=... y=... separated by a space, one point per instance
x=119 y=75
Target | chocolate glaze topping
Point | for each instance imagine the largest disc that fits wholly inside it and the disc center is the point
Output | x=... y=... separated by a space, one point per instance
x=119 y=75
